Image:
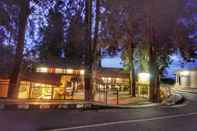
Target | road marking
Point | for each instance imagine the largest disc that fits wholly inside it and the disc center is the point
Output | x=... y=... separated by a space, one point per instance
x=124 y=122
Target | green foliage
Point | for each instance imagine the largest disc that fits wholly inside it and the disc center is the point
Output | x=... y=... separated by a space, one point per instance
x=167 y=81
x=143 y=57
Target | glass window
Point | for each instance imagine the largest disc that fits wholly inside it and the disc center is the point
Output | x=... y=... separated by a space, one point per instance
x=42 y=70
x=41 y=91
x=59 y=71
x=58 y=93
x=24 y=90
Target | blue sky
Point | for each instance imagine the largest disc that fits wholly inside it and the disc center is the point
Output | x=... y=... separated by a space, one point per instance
x=112 y=62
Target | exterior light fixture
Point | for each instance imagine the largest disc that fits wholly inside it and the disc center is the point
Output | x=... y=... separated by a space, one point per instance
x=82 y=72
x=144 y=77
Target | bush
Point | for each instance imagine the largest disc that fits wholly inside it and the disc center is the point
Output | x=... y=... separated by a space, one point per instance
x=168 y=81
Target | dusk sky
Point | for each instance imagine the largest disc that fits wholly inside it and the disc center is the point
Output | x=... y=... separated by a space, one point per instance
x=177 y=64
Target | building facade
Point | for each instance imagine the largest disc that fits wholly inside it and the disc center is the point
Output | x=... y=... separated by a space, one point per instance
x=186 y=78
x=59 y=83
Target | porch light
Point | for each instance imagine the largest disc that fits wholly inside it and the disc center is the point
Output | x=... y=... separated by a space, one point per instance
x=144 y=77
x=184 y=73
x=69 y=71
x=82 y=72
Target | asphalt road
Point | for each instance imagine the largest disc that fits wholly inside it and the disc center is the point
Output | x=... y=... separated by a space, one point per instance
x=182 y=118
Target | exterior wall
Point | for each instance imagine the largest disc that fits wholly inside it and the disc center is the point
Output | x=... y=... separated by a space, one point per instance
x=4 y=83
x=193 y=79
x=186 y=80
x=53 y=83
x=71 y=87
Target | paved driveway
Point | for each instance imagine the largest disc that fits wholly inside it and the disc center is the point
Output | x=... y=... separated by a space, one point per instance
x=143 y=119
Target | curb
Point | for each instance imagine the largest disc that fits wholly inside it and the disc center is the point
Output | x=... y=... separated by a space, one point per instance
x=45 y=106
x=84 y=106
x=128 y=106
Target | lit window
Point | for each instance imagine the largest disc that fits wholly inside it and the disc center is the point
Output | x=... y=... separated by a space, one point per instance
x=184 y=73
x=59 y=71
x=117 y=79
x=37 y=84
x=69 y=71
x=109 y=79
x=42 y=70
x=106 y=80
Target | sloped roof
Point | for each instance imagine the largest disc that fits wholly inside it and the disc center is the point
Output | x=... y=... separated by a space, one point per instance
x=64 y=64
x=112 y=72
x=191 y=69
x=51 y=79
x=4 y=76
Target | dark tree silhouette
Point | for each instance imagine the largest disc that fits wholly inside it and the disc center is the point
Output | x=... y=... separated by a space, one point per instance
x=51 y=47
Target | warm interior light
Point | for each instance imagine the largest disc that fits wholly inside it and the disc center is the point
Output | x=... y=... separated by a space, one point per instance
x=37 y=84
x=184 y=73
x=69 y=71
x=109 y=79
x=42 y=69
x=143 y=77
x=106 y=79
x=82 y=72
x=59 y=70
x=117 y=79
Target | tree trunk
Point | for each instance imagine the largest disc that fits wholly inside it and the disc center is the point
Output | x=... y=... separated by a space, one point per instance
x=157 y=89
x=15 y=75
x=88 y=53
x=152 y=74
x=133 y=73
x=96 y=27
x=99 y=60
x=154 y=90
x=89 y=85
x=94 y=49
x=132 y=69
